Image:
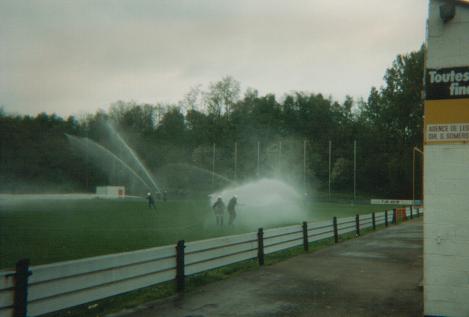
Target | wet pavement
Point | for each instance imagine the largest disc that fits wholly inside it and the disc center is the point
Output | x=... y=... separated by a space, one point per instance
x=376 y=275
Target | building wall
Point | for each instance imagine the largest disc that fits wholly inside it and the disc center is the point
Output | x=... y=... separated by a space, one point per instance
x=110 y=191
x=446 y=230
x=446 y=184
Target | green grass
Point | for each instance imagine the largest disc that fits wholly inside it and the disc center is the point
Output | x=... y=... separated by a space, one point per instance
x=48 y=231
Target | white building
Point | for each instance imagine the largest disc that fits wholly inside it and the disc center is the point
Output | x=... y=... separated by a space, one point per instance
x=110 y=191
x=446 y=168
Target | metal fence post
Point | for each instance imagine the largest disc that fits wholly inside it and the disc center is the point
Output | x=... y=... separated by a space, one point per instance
x=260 y=246
x=373 y=220
x=411 y=212
x=336 y=231
x=357 y=224
x=21 y=288
x=305 y=236
x=386 y=222
x=180 y=275
x=418 y=212
x=394 y=216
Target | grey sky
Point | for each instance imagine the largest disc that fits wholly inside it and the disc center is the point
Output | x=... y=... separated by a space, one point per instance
x=72 y=57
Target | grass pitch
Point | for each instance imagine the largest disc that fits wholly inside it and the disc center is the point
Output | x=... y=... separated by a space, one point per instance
x=48 y=231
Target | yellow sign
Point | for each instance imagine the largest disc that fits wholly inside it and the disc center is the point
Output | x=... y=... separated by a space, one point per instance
x=447 y=106
x=446 y=121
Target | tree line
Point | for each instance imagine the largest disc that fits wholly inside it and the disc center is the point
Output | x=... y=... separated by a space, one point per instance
x=246 y=135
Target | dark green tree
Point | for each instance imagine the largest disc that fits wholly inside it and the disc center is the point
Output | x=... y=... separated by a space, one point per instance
x=391 y=125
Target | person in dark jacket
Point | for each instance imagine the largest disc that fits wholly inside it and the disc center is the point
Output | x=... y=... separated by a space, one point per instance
x=151 y=201
x=232 y=209
x=219 y=209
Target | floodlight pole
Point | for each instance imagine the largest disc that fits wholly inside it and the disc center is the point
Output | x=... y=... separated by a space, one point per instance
x=235 y=160
x=304 y=166
x=113 y=175
x=258 y=157
x=213 y=164
x=87 y=162
x=416 y=149
x=354 y=170
x=330 y=156
x=279 y=155
x=413 y=176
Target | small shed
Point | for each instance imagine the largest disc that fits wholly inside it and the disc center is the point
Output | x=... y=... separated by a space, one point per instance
x=110 y=191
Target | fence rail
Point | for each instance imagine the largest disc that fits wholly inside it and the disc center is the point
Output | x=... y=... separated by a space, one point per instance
x=41 y=289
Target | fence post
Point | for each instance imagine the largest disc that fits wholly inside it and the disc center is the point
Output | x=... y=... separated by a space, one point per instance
x=418 y=212
x=260 y=246
x=336 y=231
x=386 y=223
x=305 y=236
x=357 y=224
x=411 y=212
x=180 y=275
x=21 y=288
x=373 y=220
x=394 y=216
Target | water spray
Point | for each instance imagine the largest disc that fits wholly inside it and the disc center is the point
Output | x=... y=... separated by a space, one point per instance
x=202 y=170
x=266 y=202
x=133 y=155
x=102 y=149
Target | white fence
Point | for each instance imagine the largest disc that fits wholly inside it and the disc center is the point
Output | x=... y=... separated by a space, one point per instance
x=62 y=285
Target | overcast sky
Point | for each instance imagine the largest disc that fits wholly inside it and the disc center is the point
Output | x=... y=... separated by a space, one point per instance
x=73 y=57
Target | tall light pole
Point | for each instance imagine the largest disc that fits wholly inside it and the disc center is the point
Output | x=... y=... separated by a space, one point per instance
x=235 y=160
x=258 y=157
x=416 y=149
x=354 y=170
x=213 y=164
x=304 y=166
x=330 y=159
x=279 y=156
x=87 y=163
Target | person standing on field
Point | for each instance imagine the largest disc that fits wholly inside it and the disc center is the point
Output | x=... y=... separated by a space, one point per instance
x=232 y=209
x=219 y=209
x=151 y=201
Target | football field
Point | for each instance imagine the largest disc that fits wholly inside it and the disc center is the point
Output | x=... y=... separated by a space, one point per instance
x=49 y=230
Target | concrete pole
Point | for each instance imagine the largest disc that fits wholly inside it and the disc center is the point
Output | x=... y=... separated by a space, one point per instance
x=258 y=157
x=304 y=166
x=413 y=176
x=113 y=173
x=213 y=164
x=330 y=161
x=235 y=160
x=279 y=156
x=354 y=170
x=87 y=163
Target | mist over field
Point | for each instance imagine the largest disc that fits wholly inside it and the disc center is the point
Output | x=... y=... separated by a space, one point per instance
x=266 y=202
